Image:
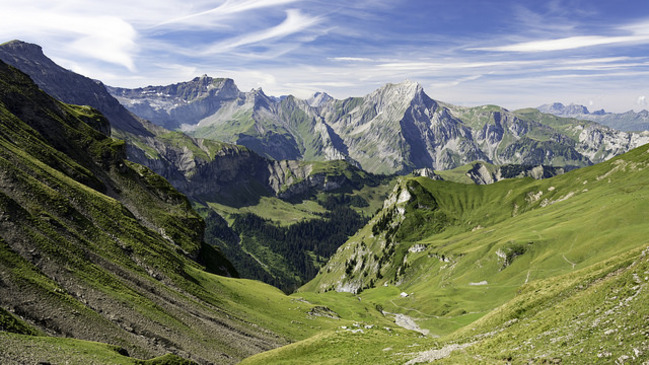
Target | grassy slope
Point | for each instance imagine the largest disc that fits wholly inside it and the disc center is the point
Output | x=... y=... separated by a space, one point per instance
x=97 y=248
x=579 y=247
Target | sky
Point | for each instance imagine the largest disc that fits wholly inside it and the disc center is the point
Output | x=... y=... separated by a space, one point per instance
x=513 y=53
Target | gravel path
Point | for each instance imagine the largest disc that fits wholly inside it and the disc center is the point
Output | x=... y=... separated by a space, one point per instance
x=437 y=354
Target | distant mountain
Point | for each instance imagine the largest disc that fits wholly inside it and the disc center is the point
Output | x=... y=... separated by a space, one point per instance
x=177 y=104
x=395 y=129
x=627 y=121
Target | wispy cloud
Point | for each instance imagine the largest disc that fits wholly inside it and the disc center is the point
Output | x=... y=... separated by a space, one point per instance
x=229 y=7
x=106 y=38
x=295 y=22
x=637 y=33
x=351 y=59
x=562 y=44
x=469 y=52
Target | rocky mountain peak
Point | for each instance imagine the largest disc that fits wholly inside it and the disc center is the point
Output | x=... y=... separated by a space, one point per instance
x=318 y=99
x=560 y=109
x=396 y=96
x=404 y=88
x=31 y=50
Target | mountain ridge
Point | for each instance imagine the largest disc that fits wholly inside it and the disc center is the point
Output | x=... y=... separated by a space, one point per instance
x=397 y=129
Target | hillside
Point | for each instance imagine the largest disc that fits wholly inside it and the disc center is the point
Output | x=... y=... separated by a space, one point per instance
x=96 y=248
x=487 y=267
x=396 y=129
x=103 y=261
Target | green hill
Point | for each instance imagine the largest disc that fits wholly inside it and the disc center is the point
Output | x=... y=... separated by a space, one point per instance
x=519 y=271
x=96 y=248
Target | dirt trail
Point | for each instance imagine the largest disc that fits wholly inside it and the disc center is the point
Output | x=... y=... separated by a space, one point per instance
x=568 y=261
x=437 y=354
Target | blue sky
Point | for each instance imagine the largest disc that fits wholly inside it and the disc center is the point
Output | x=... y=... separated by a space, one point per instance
x=511 y=53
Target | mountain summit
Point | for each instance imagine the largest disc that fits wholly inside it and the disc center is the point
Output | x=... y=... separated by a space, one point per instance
x=68 y=86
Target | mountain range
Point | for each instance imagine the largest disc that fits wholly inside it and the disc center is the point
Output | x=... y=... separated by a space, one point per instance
x=121 y=241
x=395 y=129
x=627 y=121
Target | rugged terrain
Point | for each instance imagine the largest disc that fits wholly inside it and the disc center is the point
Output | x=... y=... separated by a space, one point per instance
x=395 y=129
x=519 y=271
x=103 y=261
x=222 y=178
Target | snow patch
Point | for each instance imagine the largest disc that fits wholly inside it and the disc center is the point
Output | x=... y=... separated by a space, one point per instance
x=484 y=282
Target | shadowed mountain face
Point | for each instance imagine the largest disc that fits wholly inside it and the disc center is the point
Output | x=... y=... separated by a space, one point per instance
x=68 y=86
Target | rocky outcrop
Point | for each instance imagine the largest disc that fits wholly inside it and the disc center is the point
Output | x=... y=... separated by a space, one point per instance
x=427 y=172
x=483 y=174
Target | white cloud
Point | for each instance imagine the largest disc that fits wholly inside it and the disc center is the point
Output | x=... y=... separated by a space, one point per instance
x=565 y=43
x=101 y=37
x=456 y=82
x=642 y=100
x=295 y=22
x=351 y=59
x=638 y=33
x=229 y=7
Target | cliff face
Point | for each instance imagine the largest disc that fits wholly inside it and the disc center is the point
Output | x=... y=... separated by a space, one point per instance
x=483 y=174
x=177 y=104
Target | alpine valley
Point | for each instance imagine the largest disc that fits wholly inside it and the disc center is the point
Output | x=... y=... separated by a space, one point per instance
x=196 y=223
